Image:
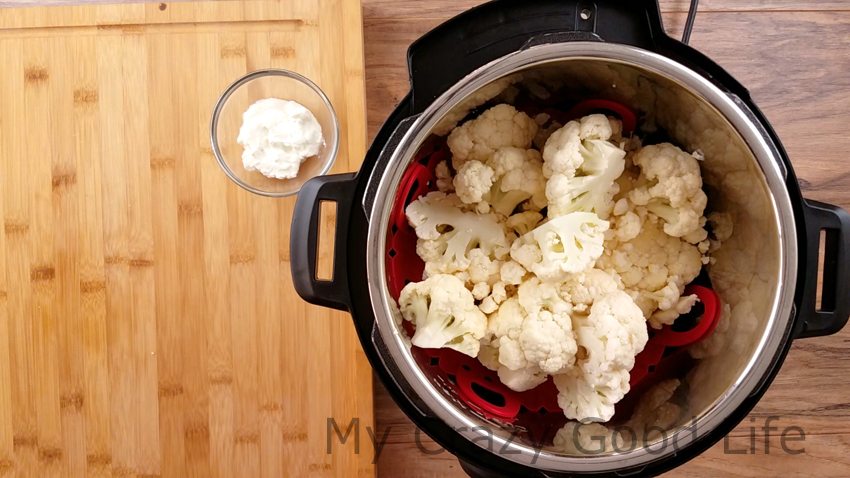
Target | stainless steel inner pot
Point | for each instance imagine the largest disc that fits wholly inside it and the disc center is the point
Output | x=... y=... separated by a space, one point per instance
x=754 y=272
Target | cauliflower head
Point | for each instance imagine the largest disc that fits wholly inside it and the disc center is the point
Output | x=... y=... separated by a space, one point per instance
x=444 y=313
x=447 y=234
x=498 y=127
x=546 y=337
x=562 y=246
x=533 y=333
x=670 y=186
x=582 y=166
x=608 y=340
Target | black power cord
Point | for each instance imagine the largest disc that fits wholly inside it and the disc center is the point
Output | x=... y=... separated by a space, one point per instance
x=689 y=23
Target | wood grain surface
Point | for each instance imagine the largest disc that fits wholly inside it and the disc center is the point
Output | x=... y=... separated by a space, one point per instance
x=148 y=323
x=794 y=56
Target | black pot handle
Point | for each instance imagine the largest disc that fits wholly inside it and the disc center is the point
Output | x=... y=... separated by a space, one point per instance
x=304 y=235
x=835 y=291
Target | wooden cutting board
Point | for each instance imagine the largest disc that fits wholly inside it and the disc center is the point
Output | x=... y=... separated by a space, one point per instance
x=148 y=323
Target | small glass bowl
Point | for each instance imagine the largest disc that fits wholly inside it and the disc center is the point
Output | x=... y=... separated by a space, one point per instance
x=227 y=119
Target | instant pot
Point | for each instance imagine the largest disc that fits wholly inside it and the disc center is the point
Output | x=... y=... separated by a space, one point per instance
x=766 y=274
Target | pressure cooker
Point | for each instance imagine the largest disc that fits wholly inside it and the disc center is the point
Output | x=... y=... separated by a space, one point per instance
x=766 y=274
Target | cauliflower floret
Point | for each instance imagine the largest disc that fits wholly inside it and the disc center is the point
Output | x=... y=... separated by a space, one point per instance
x=534 y=334
x=608 y=340
x=444 y=313
x=682 y=306
x=546 y=338
x=481 y=96
x=613 y=333
x=627 y=226
x=522 y=379
x=505 y=326
x=480 y=290
x=672 y=190
x=484 y=274
x=512 y=272
x=498 y=127
x=488 y=355
x=447 y=252
x=654 y=267
x=520 y=177
x=491 y=303
x=582 y=167
x=482 y=268
x=511 y=176
x=581 y=400
x=473 y=181
x=564 y=245
x=582 y=289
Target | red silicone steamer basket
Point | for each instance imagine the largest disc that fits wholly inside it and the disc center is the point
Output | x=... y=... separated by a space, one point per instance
x=464 y=379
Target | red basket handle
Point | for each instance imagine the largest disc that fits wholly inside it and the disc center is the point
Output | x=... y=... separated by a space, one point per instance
x=705 y=325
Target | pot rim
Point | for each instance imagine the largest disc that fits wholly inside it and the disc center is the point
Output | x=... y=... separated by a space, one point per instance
x=384 y=182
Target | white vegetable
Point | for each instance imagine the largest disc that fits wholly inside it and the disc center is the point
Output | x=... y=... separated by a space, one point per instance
x=488 y=355
x=512 y=273
x=584 y=401
x=534 y=335
x=498 y=127
x=546 y=338
x=582 y=167
x=582 y=289
x=672 y=190
x=511 y=176
x=444 y=313
x=520 y=177
x=447 y=251
x=608 y=341
x=568 y=295
x=562 y=246
x=522 y=379
x=654 y=267
x=473 y=180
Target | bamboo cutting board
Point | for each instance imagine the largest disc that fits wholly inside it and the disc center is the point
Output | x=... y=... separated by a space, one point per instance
x=148 y=324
